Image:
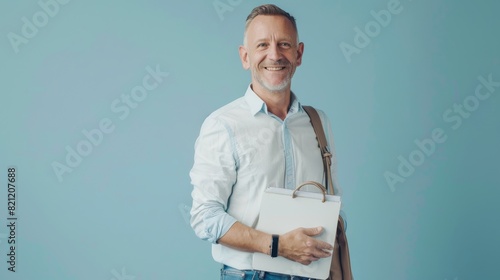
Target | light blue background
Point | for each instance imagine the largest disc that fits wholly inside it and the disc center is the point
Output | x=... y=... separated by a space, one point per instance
x=123 y=210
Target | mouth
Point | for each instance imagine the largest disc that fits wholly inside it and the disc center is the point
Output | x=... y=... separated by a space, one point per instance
x=274 y=68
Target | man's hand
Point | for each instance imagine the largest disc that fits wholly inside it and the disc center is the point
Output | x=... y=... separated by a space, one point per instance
x=299 y=245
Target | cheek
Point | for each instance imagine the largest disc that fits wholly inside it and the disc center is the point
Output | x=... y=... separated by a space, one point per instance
x=292 y=58
x=257 y=59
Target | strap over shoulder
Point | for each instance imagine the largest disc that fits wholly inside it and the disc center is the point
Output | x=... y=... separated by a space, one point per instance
x=341 y=263
x=323 y=145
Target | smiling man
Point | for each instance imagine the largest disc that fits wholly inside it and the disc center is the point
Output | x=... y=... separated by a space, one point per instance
x=263 y=139
x=272 y=52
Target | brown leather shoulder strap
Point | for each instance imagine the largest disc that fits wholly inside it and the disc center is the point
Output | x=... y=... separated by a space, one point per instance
x=341 y=267
x=323 y=145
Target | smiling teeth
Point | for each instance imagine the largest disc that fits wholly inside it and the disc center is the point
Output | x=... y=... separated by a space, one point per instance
x=275 y=68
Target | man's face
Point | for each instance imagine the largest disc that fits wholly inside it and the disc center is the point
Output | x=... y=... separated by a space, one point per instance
x=271 y=53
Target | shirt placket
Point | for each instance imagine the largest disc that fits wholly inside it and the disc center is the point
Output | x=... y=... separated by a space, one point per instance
x=288 y=152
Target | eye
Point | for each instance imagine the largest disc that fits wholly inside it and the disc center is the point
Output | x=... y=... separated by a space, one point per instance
x=262 y=45
x=285 y=45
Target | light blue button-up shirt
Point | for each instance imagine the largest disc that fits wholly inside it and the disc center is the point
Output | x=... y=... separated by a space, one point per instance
x=243 y=149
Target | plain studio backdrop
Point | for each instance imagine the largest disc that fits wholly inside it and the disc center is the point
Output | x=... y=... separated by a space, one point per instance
x=102 y=101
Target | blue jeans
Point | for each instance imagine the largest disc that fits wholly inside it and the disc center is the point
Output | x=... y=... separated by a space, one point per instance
x=229 y=273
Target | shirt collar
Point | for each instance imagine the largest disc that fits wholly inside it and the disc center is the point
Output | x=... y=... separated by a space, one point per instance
x=258 y=105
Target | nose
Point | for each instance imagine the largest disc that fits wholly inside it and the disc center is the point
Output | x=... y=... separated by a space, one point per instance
x=274 y=52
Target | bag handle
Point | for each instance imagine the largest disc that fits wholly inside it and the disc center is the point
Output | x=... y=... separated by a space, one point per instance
x=318 y=185
x=323 y=146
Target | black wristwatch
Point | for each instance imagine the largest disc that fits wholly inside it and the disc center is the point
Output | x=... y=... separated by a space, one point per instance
x=274 y=245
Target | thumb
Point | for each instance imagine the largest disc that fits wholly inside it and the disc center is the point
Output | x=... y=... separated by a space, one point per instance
x=313 y=231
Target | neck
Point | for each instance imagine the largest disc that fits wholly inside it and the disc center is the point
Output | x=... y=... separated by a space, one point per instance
x=277 y=102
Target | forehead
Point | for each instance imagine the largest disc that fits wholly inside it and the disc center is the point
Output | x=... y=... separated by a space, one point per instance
x=264 y=26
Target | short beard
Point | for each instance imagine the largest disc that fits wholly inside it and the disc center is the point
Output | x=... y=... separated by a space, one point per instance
x=275 y=88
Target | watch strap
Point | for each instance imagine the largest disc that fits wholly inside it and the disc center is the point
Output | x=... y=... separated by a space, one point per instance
x=274 y=245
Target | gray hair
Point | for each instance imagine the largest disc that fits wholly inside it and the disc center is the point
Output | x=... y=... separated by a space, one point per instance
x=268 y=10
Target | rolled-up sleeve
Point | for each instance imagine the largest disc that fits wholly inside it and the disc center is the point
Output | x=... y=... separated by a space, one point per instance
x=212 y=176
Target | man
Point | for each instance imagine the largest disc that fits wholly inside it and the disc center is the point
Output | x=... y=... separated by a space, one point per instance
x=261 y=140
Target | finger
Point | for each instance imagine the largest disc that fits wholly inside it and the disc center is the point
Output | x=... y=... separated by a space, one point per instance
x=324 y=245
x=319 y=245
x=308 y=259
x=316 y=253
x=313 y=231
x=305 y=262
x=321 y=254
x=313 y=258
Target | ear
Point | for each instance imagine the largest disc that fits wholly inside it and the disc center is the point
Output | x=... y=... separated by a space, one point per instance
x=300 y=52
x=244 y=57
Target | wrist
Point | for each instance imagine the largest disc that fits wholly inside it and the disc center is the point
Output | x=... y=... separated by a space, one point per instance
x=273 y=247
